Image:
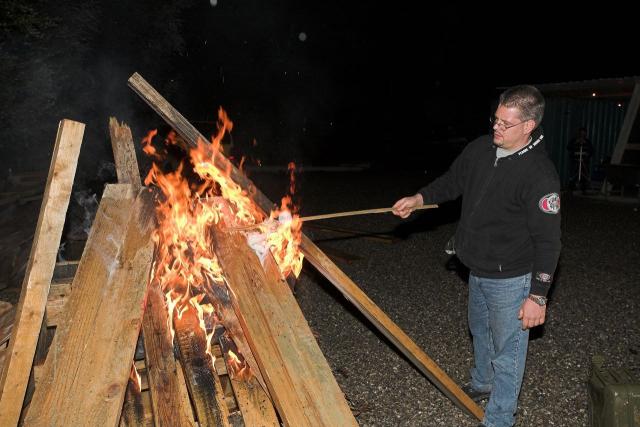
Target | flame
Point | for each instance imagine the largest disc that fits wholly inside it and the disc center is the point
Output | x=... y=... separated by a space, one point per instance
x=134 y=376
x=239 y=368
x=186 y=268
x=284 y=241
x=203 y=309
x=147 y=146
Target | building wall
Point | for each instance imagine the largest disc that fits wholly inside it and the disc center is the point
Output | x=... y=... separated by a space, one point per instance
x=564 y=116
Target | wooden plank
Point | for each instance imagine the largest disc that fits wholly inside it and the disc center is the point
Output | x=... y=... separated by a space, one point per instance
x=56 y=300
x=203 y=383
x=254 y=403
x=141 y=368
x=7 y=317
x=244 y=278
x=270 y=331
x=65 y=270
x=170 y=408
x=42 y=259
x=133 y=410
x=316 y=371
x=191 y=135
x=165 y=393
x=319 y=260
x=390 y=330
x=124 y=154
x=232 y=325
x=104 y=315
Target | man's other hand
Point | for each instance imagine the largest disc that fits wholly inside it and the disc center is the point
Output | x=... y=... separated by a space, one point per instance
x=406 y=205
x=531 y=314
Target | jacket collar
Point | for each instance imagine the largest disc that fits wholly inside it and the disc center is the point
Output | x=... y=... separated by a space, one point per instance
x=537 y=136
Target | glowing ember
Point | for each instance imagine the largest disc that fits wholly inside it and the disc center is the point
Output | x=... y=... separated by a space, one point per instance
x=186 y=268
x=135 y=377
x=239 y=368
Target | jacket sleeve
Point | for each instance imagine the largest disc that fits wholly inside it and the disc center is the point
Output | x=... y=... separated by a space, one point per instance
x=543 y=222
x=449 y=185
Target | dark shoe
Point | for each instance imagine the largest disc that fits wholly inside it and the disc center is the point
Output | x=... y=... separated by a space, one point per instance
x=474 y=394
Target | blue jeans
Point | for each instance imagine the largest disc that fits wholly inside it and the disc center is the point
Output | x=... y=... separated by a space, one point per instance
x=499 y=343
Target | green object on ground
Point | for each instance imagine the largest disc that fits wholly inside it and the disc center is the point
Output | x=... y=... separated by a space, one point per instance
x=614 y=396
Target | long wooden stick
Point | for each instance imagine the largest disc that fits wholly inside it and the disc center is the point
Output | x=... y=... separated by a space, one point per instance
x=319 y=260
x=331 y=215
x=353 y=213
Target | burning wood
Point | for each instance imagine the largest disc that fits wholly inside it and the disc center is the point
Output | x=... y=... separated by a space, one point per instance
x=316 y=257
x=188 y=271
x=205 y=287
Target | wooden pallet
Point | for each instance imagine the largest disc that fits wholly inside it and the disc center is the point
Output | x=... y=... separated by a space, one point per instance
x=85 y=367
x=315 y=256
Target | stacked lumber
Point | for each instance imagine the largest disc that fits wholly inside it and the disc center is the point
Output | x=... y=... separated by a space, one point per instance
x=314 y=255
x=83 y=367
x=98 y=342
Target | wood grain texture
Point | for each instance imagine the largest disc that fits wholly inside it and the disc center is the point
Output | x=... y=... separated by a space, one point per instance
x=232 y=325
x=133 y=409
x=302 y=388
x=253 y=401
x=87 y=369
x=203 y=383
x=58 y=296
x=166 y=386
x=39 y=271
x=124 y=154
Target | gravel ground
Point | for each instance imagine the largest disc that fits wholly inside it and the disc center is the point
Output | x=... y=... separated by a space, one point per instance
x=594 y=306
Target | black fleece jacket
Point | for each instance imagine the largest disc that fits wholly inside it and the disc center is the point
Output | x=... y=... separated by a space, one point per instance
x=510 y=220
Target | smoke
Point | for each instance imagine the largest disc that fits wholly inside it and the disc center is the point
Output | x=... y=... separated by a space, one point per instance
x=86 y=206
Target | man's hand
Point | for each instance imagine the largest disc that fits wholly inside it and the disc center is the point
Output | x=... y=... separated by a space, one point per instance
x=531 y=314
x=406 y=205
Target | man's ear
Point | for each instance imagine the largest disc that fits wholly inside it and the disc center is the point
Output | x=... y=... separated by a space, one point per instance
x=529 y=126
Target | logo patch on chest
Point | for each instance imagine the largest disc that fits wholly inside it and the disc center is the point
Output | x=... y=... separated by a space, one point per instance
x=550 y=203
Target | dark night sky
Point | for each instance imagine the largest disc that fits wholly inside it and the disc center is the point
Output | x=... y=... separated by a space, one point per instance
x=374 y=76
x=315 y=82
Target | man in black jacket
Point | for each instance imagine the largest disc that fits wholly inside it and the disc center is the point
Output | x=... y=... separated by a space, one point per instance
x=509 y=237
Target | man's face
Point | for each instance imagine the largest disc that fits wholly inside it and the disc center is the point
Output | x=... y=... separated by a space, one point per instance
x=509 y=130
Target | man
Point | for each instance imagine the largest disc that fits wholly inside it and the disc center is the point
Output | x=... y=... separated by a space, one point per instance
x=509 y=237
x=580 y=149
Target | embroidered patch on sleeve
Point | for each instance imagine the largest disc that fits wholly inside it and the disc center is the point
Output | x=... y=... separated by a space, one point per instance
x=550 y=203
x=543 y=277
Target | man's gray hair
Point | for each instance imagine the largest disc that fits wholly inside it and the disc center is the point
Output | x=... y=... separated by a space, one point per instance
x=527 y=99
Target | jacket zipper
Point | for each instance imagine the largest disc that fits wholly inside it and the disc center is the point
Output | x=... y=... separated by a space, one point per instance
x=485 y=187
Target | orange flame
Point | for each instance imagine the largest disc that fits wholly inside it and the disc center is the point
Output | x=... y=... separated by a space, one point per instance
x=134 y=376
x=240 y=368
x=186 y=267
x=284 y=242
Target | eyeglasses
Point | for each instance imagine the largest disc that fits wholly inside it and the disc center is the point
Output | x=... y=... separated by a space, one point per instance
x=501 y=125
